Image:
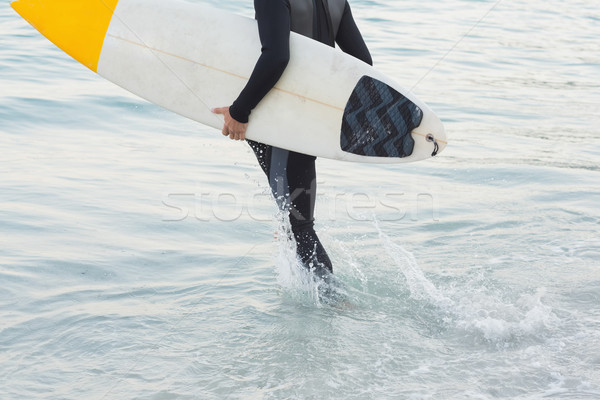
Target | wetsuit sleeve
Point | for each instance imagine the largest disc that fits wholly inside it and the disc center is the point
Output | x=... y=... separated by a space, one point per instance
x=273 y=17
x=349 y=38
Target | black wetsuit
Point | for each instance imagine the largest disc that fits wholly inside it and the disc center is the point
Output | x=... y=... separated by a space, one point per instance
x=292 y=175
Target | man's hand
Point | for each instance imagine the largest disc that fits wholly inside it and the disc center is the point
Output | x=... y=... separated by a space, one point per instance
x=232 y=128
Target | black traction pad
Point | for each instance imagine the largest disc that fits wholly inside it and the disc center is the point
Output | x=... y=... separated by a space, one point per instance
x=378 y=121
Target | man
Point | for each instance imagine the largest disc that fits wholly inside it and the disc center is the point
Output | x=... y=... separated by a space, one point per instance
x=292 y=175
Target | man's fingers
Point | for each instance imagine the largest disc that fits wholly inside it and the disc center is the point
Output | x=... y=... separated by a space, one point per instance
x=220 y=110
x=226 y=131
x=233 y=135
x=235 y=130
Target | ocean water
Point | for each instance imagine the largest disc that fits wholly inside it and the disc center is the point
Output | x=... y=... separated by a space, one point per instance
x=140 y=253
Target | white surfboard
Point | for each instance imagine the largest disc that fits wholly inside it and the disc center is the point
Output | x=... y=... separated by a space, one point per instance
x=189 y=58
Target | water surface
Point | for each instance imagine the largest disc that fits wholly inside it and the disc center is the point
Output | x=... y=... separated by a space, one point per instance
x=138 y=257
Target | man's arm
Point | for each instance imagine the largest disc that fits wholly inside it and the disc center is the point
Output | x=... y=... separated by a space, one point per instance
x=273 y=17
x=349 y=38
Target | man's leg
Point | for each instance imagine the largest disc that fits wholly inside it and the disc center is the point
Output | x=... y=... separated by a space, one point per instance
x=292 y=177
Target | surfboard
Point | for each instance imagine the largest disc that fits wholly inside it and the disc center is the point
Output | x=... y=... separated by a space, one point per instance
x=189 y=58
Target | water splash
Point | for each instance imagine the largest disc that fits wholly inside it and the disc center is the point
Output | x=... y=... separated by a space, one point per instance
x=420 y=287
x=295 y=278
x=492 y=315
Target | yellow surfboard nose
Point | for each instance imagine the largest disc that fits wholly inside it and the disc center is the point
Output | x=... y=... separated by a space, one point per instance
x=78 y=27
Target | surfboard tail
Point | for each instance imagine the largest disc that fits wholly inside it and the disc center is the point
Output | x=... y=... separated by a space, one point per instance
x=78 y=27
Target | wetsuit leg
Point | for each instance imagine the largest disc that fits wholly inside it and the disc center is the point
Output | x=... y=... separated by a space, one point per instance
x=292 y=177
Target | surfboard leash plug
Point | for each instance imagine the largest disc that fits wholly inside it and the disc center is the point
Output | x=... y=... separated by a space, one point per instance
x=436 y=147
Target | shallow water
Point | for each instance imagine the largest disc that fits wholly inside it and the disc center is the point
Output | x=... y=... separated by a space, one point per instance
x=138 y=257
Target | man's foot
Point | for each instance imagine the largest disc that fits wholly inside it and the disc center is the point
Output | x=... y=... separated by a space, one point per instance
x=331 y=291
